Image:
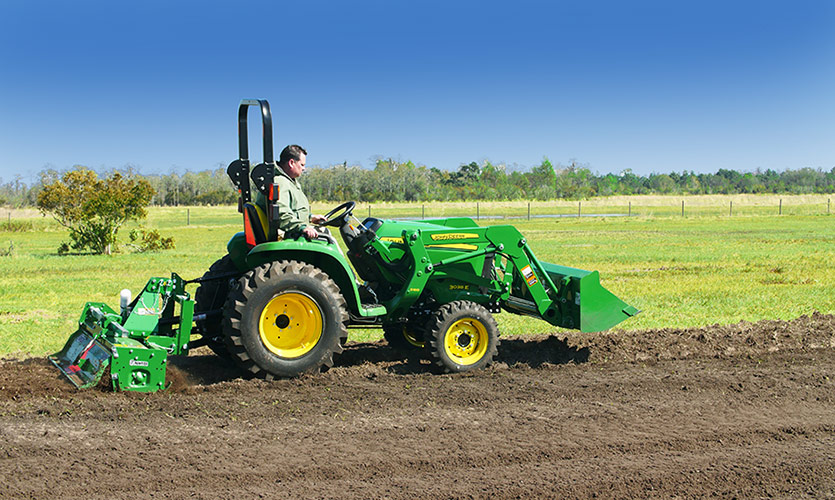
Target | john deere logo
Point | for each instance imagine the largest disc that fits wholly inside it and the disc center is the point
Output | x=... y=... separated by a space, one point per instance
x=454 y=236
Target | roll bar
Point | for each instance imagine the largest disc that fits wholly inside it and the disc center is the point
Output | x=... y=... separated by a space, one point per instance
x=262 y=175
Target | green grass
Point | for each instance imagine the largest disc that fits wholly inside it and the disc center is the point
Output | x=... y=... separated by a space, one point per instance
x=691 y=271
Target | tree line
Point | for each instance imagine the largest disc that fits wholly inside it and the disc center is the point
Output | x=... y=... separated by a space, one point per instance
x=393 y=180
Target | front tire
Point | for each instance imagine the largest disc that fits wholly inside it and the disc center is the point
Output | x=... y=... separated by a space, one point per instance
x=285 y=318
x=462 y=336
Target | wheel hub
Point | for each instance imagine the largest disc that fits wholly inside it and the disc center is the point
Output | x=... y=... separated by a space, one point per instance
x=282 y=321
x=291 y=324
x=465 y=342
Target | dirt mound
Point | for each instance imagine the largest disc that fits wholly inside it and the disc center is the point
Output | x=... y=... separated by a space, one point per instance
x=37 y=377
x=719 y=341
x=741 y=410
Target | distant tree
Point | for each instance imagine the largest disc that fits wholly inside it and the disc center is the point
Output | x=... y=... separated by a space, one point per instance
x=631 y=183
x=662 y=183
x=543 y=179
x=804 y=180
x=467 y=175
x=574 y=182
x=606 y=185
x=93 y=209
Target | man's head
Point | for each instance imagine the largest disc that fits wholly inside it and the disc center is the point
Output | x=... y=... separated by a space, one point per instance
x=292 y=160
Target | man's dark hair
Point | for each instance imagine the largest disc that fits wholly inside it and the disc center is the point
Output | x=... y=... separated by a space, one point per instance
x=293 y=151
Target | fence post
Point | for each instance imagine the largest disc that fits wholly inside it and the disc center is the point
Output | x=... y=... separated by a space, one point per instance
x=423 y=211
x=578 y=208
x=731 y=210
x=780 y=210
x=682 y=208
x=529 y=210
x=369 y=210
x=188 y=217
x=828 y=200
x=630 y=210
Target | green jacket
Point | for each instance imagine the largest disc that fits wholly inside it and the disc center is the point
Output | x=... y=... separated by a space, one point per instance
x=293 y=206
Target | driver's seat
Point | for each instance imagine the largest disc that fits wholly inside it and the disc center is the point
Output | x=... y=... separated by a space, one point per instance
x=256 y=225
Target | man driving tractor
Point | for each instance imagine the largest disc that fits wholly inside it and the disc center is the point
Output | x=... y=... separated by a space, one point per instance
x=295 y=218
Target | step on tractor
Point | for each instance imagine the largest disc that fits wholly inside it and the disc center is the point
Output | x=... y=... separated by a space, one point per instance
x=280 y=307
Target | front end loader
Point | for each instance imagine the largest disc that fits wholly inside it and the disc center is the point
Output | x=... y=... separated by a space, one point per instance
x=280 y=307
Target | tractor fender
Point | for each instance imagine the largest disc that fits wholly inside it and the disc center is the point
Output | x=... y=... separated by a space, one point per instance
x=324 y=256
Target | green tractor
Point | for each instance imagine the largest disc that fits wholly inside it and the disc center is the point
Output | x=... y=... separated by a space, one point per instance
x=282 y=307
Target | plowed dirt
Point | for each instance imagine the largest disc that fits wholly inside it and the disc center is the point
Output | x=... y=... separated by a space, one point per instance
x=741 y=411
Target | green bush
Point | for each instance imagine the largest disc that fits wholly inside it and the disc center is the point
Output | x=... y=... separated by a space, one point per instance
x=93 y=209
x=16 y=226
x=149 y=240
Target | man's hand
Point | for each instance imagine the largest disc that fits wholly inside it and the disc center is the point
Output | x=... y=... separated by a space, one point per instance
x=317 y=219
x=310 y=232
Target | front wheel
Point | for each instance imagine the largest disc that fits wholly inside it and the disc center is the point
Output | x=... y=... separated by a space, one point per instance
x=462 y=336
x=285 y=318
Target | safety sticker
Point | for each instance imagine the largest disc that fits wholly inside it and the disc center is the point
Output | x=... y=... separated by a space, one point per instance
x=530 y=277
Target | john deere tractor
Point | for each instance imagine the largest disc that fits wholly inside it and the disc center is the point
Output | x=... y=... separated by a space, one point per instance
x=280 y=307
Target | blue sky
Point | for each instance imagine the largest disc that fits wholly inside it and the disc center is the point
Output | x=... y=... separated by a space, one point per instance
x=652 y=86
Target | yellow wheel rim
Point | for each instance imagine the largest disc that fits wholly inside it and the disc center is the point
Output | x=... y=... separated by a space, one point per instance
x=290 y=325
x=412 y=337
x=465 y=342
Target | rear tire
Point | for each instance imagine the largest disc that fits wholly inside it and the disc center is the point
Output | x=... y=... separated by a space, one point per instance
x=462 y=336
x=211 y=295
x=283 y=319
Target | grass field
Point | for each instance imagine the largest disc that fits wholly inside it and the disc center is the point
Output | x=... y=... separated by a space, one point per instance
x=704 y=268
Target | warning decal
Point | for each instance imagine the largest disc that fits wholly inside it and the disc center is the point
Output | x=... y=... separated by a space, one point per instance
x=530 y=277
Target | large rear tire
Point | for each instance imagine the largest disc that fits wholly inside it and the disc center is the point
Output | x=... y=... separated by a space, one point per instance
x=283 y=319
x=209 y=296
x=462 y=336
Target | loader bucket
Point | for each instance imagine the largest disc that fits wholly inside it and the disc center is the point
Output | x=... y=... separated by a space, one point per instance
x=588 y=306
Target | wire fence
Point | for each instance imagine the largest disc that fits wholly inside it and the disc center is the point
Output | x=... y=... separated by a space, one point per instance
x=624 y=206
x=603 y=207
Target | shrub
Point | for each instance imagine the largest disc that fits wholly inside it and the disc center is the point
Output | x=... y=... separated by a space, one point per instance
x=93 y=209
x=144 y=240
x=16 y=226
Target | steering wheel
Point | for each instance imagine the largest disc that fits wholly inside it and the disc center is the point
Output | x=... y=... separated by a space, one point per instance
x=340 y=215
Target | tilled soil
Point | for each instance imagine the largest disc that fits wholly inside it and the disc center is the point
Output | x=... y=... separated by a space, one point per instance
x=740 y=411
